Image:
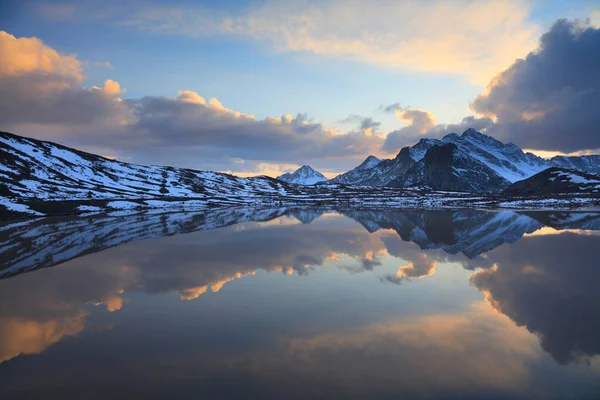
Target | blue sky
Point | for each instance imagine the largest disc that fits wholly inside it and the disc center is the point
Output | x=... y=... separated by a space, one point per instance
x=351 y=62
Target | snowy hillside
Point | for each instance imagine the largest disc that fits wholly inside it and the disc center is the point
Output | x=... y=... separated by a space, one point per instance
x=45 y=171
x=304 y=175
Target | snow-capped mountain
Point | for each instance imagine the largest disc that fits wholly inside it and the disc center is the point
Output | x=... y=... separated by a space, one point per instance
x=556 y=180
x=468 y=162
x=304 y=175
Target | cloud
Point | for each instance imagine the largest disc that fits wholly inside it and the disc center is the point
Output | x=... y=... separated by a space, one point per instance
x=365 y=125
x=39 y=85
x=421 y=267
x=550 y=99
x=473 y=39
x=196 y=126
x=392 y=107
x=41 y=95
x=19 y=336
x=469 y=353
x=420 y=122
x=22 y=55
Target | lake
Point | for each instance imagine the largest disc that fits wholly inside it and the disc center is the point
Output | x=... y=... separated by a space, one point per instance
x=301 y=304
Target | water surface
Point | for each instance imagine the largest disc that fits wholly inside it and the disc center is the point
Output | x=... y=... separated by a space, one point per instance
x=302 y=304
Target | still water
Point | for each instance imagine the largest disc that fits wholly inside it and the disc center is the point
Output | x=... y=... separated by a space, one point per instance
x=302 y=304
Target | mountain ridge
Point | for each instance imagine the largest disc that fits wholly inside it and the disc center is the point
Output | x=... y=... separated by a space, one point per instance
x=39 y=178
x=499 y=164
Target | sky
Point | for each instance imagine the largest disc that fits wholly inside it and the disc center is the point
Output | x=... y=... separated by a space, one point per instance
x=262 y=87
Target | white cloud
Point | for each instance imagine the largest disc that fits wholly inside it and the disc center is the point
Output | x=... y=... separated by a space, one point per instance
x=471 y=38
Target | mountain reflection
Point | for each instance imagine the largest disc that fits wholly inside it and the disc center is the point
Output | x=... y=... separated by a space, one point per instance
x=537 y=269
x=39 y=243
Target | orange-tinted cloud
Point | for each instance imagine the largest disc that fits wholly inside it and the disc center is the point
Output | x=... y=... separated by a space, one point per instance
x=21 y=55
x=421 y=267
x=23 y=336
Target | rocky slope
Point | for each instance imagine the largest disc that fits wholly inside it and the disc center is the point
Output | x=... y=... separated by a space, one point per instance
x=554 y=181
x=359 y=174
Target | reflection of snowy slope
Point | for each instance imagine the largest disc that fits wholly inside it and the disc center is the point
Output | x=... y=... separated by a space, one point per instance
x=39 y=243
x=306 y=216
x=569 y=220
x=503 y=227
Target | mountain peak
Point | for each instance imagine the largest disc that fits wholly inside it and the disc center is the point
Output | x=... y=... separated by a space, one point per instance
x=305 y=175
x=369 y=162
x=472 y=132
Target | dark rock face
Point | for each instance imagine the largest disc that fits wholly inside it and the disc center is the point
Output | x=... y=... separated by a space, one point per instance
x=556 y=180
x=448 y=168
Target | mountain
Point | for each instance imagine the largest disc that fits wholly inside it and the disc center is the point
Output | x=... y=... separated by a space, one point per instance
x=304 y=175
x=375 y=172
x=449 y=168
x=39 y=178
x=556 y=180
x=473 y=162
